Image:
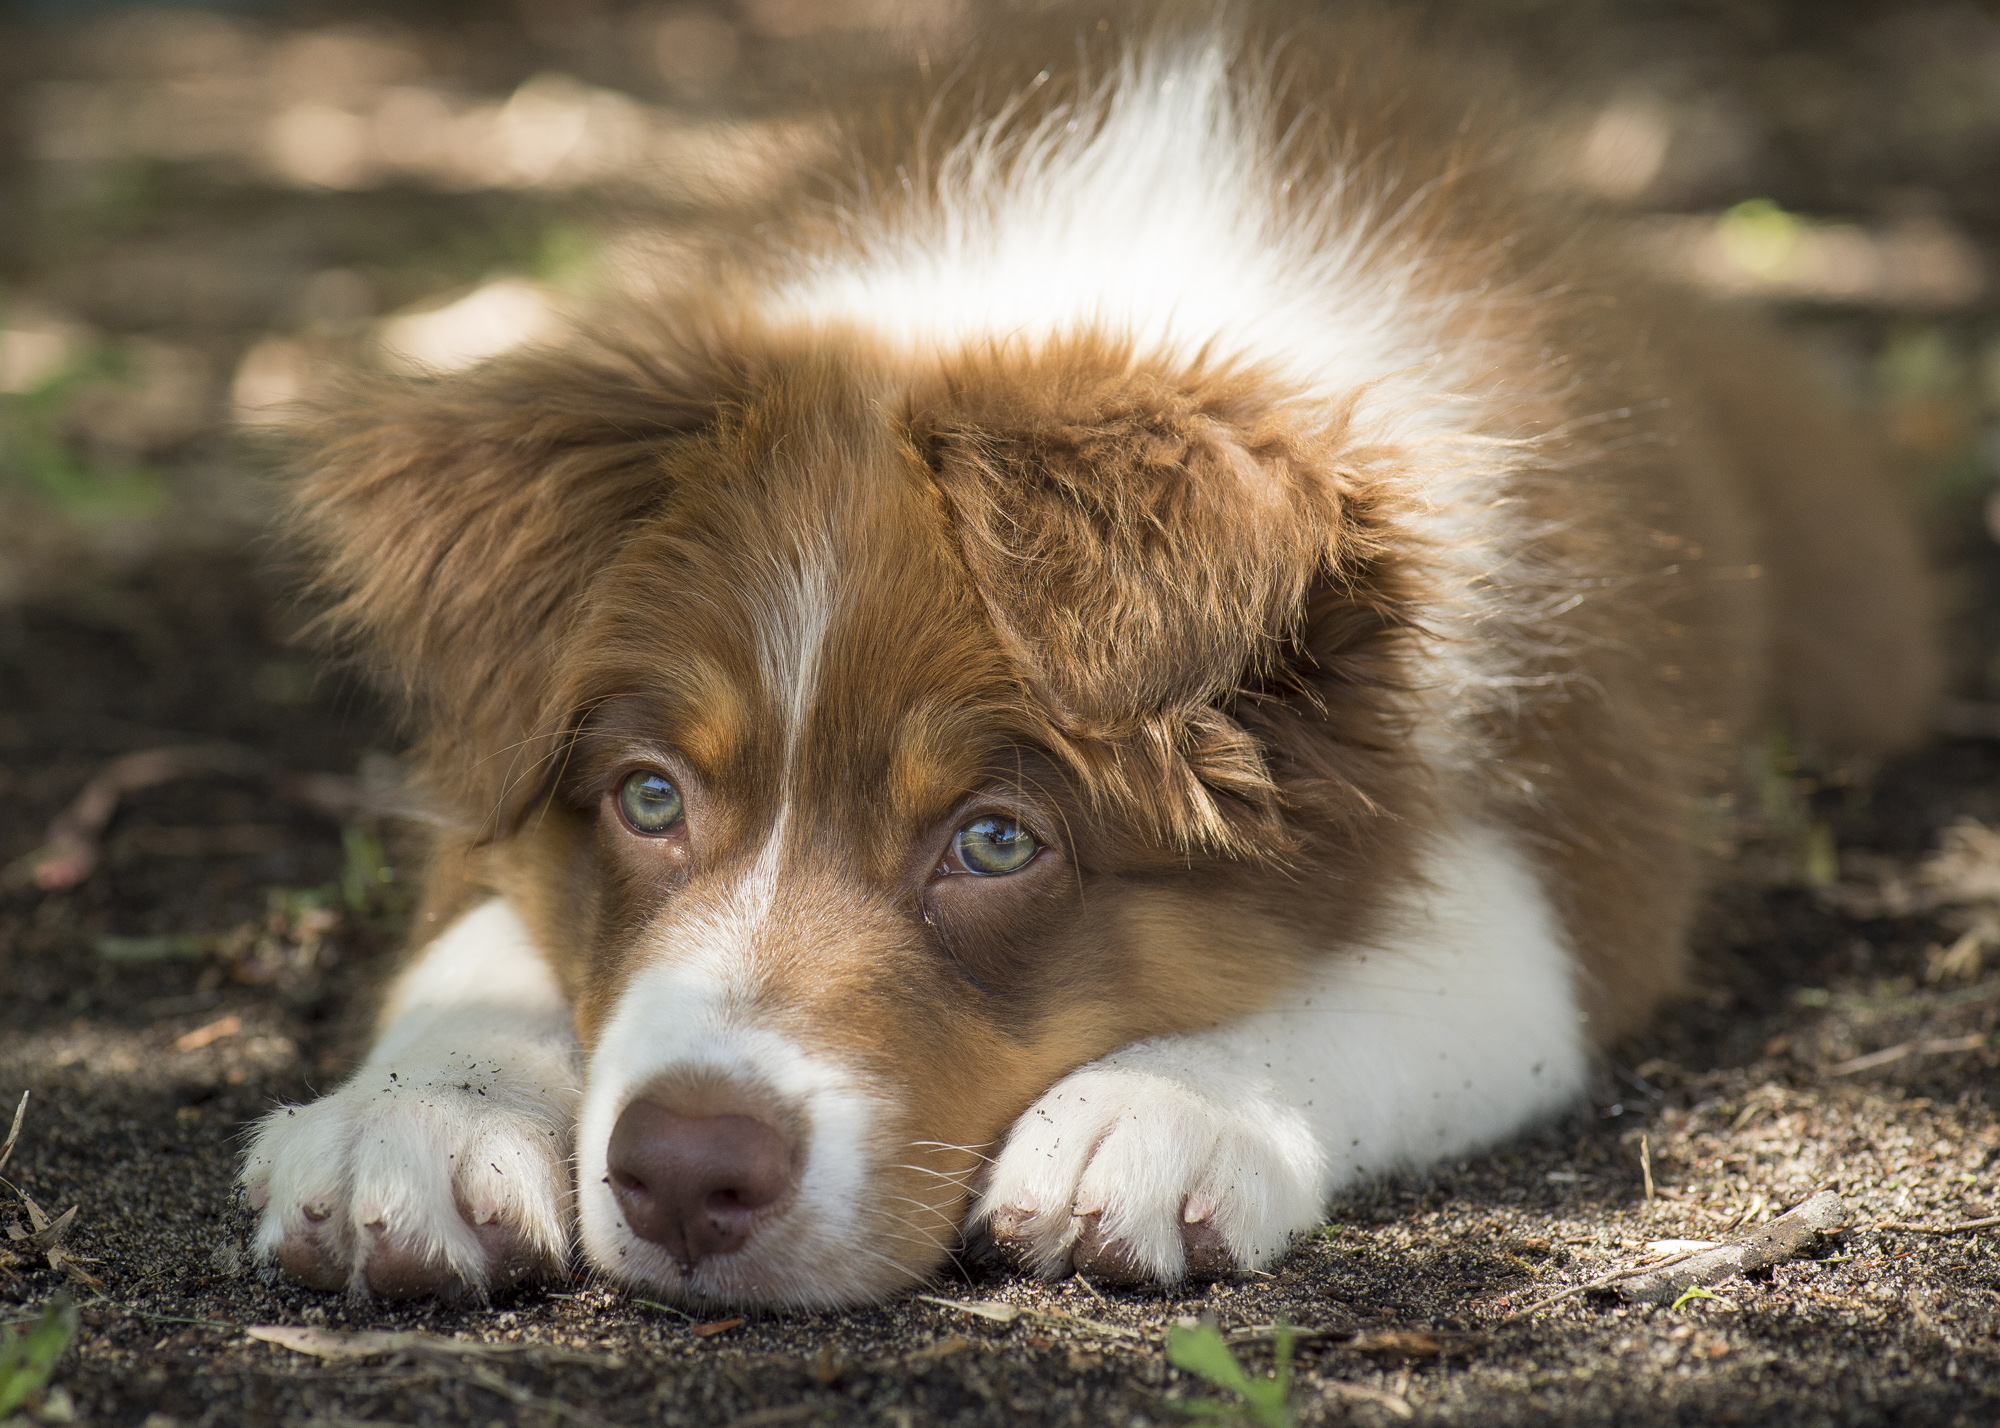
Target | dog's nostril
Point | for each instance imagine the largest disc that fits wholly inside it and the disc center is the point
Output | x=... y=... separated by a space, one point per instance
x=694 y=1184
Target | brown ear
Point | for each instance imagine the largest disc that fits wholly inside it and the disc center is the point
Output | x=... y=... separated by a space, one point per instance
x=1148 y=547
x=454 y=524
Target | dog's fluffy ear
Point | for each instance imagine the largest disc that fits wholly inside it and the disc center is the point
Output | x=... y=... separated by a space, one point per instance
x=1149 y=548
x=454 y=523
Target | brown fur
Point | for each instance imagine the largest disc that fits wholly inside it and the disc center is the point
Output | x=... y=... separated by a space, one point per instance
x=1182 y=623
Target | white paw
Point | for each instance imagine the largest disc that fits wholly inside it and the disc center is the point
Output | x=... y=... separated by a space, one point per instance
x=432 y=1174
x=1154 y=1164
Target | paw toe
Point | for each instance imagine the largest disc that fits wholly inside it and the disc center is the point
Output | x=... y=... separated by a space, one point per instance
x=397 y=1269
x=1209 y=1256
x=307 y=1259
x=1106 y=1259
x=1011 y=1228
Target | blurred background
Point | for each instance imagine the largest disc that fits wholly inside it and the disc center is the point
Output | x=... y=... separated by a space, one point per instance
x=202 y=206
x=199 y=204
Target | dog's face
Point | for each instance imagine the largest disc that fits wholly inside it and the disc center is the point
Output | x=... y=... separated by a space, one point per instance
x=894 y=758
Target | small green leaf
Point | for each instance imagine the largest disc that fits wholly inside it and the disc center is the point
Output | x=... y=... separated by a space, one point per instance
x=1692 y=1292
x=151 y=949
x=365 y=871
x=27 y=1360
x=1202 y=1351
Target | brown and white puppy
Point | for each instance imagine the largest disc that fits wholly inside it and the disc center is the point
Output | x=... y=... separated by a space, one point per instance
x=1163 y=652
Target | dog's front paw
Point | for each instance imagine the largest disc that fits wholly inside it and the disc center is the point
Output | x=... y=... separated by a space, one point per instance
x=1132 y=1170
x=412 y=1180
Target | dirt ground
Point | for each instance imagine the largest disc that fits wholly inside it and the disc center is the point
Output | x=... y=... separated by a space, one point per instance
x=173 y=232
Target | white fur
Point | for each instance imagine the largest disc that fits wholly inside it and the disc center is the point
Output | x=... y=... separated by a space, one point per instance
x=792 y=617
x=464 y=1108
x=1458 y=1030
x=1154 y=210
x=690 y=1010
x=1159 y=210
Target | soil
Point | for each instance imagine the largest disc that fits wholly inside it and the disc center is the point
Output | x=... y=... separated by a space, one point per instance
x=235 y=921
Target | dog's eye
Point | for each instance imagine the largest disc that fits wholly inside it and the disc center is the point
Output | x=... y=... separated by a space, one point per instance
x=650 y=803
x=992 y=846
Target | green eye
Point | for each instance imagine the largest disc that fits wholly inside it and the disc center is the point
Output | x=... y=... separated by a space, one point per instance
x=992 y=846
x=650 y=803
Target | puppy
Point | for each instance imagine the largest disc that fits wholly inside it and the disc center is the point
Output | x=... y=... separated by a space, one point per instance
x=1169 y=645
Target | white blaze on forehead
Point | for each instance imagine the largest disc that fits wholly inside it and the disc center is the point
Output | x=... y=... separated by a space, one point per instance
x=792 y=609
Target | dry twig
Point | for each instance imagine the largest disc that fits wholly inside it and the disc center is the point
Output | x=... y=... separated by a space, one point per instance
x=1768 y=1244
x=72 y=846
x=71 y=852
x=1665 y=1280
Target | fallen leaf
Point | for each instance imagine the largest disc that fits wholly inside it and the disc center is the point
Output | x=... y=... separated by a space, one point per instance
x=1406 y=1345
x=329 y=1343
x=202 y=1035
x=718 y=1326
x=49 y=1233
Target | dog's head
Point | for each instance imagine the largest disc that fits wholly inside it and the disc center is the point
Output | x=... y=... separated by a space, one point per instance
x=870 y=744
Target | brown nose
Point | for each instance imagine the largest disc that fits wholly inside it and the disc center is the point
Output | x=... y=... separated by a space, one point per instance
x=694 y=1184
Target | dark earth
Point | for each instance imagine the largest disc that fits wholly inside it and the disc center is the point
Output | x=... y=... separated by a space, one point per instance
x=217 y=962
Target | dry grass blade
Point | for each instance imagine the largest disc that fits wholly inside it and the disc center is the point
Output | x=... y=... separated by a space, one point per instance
x=1963 y=1227
x=1095 y=1326
x=338 y=1346
x=1001 y=1312
x=1935 y=1046
x=555 y=1408
x=14 y=1131
x=43 y=1234
x=993 y=1309
x=1397 y=1405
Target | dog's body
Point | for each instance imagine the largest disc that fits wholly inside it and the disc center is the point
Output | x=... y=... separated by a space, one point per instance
x=1166 y=655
